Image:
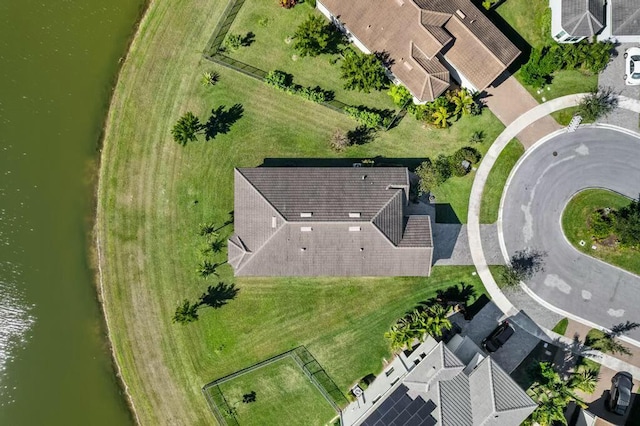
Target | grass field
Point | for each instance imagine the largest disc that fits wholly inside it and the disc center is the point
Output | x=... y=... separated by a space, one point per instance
x=497 y=179
x=148 y=221
x=272 y=49
x=283 y=395
x=575 y=224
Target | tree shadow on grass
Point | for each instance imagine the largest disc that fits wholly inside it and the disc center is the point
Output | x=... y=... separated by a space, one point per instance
x=221 y=120
x=217 y=296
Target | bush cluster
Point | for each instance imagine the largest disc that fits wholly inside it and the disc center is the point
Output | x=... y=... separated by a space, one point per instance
x=434 y=173
x=451 y=105
x=623 y=223
x=585 y=56
x=369 y=117
x=284 y=82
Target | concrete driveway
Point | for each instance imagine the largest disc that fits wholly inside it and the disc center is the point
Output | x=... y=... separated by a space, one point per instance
x=534 y=201
x=612 y=77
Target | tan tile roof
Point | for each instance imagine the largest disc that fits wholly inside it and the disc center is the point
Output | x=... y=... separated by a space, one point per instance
x=416 y=33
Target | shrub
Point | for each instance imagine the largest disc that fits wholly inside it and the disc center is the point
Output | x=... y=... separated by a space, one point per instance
x=233 y=41
x=363 y=72
x=627 y=225
x=400 y=95
x=312 y=36
x=339 y=141
x=278 y=79
x=599 y=103
x=288 y=4
x=477 y=137
x=468 y=153
x=601 y=224
x=428 y=176
x=365 y=116
x=443 y=169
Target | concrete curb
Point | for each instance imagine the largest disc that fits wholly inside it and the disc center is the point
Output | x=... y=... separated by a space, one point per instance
x=475 y=199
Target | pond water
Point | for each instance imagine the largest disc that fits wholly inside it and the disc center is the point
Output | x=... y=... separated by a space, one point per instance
x=58 y=61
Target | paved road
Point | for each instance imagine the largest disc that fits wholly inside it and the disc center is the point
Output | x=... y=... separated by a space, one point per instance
x=533 y=206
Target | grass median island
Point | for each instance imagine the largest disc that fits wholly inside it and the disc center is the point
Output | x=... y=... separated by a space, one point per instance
x=496 y=180
x=154 y=195
x=576 y=224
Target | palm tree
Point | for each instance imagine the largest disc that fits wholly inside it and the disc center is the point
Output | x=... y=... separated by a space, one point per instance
x=209 y=78
x=463 y=101
x=186 y=129
x=186 y=312
x=208 y=229
x=437 y=320
x=441 y=117
x=552 y=394
x=207 y=268
x=400 y=334
x=584 y=379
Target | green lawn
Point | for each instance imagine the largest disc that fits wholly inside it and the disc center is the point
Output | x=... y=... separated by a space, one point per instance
x=148 y=220
x=283 y=395
x=530 y=18
x=575 y=223
x=532 y=21
x=497 y=179
x=561 y=326
x=273 y=26
x=497 y=273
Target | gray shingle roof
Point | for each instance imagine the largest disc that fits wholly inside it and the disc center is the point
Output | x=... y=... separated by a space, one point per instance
x=480 y=396
x=327 y=222
x=625 y=17
x=455 y=402
x=583 y=18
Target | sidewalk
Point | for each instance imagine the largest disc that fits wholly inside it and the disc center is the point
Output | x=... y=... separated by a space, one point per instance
x=509 y=101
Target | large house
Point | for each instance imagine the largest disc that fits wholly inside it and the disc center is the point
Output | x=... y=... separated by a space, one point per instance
x=429 y=42
x=453 y=384
x=576 y=20
x=343 y=221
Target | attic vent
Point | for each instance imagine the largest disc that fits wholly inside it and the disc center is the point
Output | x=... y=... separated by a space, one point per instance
x=273 y=221
x=306 y=214
x=460 y=14
x=354 y=228
x=357 y=214
x=400 y=2
x=408 y=66
x=306 y=228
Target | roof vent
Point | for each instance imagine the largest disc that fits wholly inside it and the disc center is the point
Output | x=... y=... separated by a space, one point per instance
x=364 y=177
x=354 y=228
x=273 y=222
x=408 y=66
x=306 y=229
x=306 y=214
x=460 y=14
x=303 y=249
x=354 y=214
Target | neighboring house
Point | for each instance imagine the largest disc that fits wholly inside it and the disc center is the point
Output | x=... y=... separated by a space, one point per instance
x=437 y=384
x=343 y=221
x=429 y=42
x=576 y=20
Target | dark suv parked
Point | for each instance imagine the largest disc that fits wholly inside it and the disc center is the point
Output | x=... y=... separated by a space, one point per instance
x=498 y=337
x=620 y=396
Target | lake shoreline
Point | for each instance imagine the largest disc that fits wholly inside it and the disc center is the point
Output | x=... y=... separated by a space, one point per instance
x=94 y=254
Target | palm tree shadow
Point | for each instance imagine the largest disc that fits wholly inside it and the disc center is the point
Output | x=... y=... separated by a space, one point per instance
x=217 y=296
x=221 y=120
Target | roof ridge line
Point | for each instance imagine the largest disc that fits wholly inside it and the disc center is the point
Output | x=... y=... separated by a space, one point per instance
x=261 y=194
x=253 y=253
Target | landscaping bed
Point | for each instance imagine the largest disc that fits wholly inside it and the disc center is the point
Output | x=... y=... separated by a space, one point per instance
x=576 y=224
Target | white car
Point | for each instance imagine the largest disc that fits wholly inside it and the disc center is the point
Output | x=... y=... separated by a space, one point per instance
x=632 y=66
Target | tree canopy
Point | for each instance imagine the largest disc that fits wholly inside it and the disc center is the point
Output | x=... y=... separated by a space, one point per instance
x=186 y=128
x=313 y=36
x=363 y=72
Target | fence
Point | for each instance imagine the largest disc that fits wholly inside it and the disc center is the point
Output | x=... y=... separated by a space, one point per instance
x=225 y=414
x=214 y=54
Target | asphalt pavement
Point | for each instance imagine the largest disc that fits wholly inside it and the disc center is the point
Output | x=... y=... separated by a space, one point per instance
x=534 y=201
